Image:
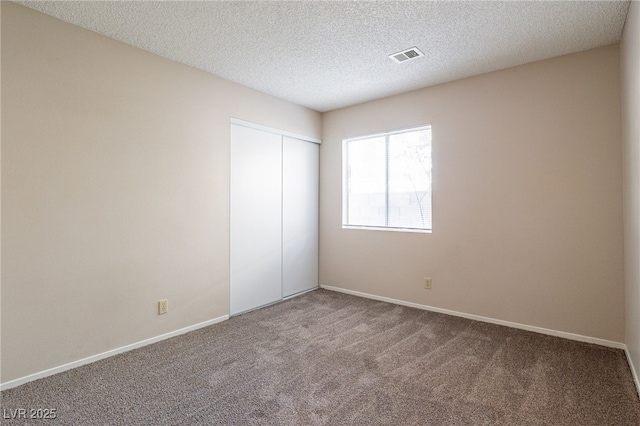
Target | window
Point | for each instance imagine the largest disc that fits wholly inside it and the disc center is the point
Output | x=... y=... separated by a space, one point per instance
x=387 y=181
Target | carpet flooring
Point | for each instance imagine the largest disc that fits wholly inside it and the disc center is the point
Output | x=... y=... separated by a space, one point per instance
x=327 y=358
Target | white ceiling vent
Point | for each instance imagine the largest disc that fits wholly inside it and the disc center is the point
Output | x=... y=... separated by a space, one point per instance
x=406 y=55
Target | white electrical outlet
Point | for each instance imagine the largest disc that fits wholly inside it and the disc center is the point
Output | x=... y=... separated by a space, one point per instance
x=427 y=283
x=163 y=306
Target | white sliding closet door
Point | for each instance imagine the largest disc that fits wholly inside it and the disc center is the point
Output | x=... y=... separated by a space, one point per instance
x=300 y=169
x=256 y=218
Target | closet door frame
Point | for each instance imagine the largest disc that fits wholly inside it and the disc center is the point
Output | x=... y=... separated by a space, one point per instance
x=264 y=128
x=236 y=308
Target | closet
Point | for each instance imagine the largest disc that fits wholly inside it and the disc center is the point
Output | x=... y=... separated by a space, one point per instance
x=274 y=215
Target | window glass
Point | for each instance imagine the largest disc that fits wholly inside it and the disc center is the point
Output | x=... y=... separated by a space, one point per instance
x=387 y=181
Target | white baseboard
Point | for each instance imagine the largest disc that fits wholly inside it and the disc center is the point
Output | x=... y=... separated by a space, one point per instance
x=17 y=382
x=563 y=334
x=633 y=370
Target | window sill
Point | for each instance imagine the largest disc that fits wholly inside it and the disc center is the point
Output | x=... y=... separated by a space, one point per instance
x=382 y=228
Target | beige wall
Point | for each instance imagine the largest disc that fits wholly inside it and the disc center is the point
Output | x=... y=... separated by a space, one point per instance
x=527 y=198
x=115 y=190
x=630 y=59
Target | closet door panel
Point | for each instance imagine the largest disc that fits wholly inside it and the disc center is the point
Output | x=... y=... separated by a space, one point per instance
x=300 y=169
x=256 y=219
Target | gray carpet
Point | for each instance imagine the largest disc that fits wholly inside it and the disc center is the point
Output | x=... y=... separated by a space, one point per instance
x=326 y=358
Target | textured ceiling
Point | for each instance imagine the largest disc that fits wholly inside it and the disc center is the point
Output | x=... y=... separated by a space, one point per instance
x=330 y=54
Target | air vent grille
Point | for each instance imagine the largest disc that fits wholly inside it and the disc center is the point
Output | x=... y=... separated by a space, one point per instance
x=406 y=55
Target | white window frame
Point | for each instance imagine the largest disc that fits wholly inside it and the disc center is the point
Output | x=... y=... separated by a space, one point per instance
x=345 y=189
